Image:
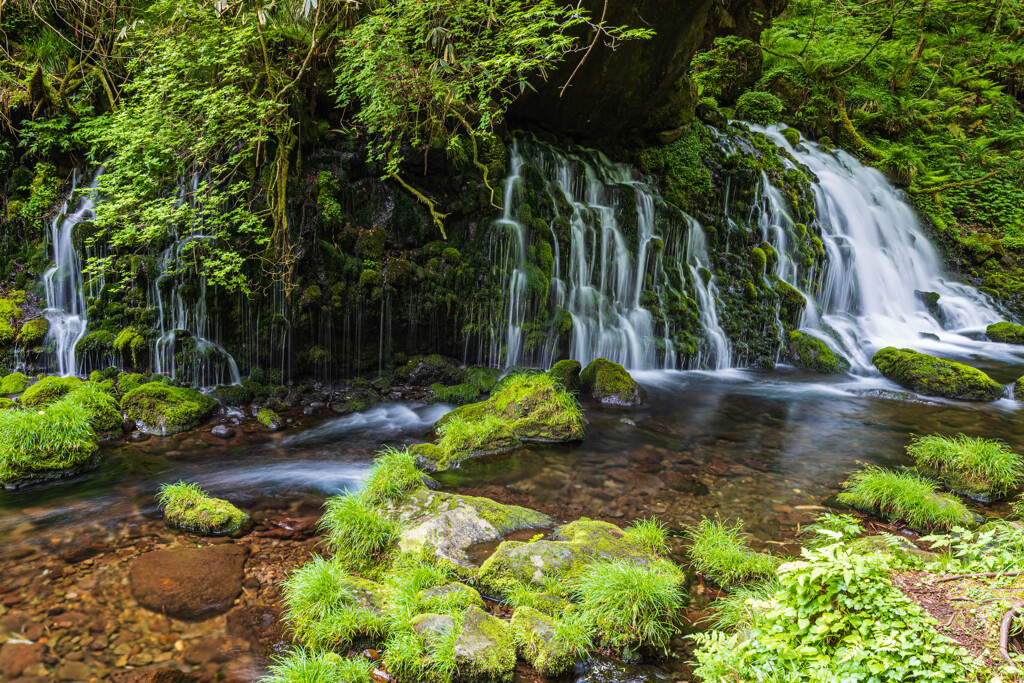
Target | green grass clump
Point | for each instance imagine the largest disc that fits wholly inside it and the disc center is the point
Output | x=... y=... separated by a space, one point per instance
x=649 y=533
x=488 y=434
x=318 y=666
x=630 y=605
x=39 y=442
x=719 y=551
x=48 y=390
x=14 y=383
x=742 y=605
x=359 y=534
x=186 y=506
x=104 y=411
x=976 y=467
x=7 y=403
x=392 y=476
x=904 y=496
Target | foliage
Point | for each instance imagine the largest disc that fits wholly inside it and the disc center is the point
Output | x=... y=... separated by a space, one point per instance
x=759 y=107
x=392 y=476
x=357 y=532
x=318 y=666
x=718 y=551
x=650 y=534
x=973 y=466
x=904 y=496
x=996 y=547
x=45 y=441
x=186 y=506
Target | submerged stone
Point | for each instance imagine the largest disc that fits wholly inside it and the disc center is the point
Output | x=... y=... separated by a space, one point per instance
x=608 y=382
x=810 y=353
x=1005 y=332
x=189 y=583
x=936 y=376
x=163 y=409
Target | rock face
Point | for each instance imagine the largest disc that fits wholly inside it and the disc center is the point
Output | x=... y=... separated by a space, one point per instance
x=807 y=352
x=1008 y=333
x=189 y=583
x=485 y=651
x=447 y=524
x=936 y=376
x=608 y=382
x=163 y=409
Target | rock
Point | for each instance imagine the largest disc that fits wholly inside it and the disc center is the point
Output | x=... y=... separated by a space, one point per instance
x=448 y=524
x=485 y=651
x=74 y=671
x=810 y=353
x=608 y=382
x=1005 y=332
x=534 y=633
x=222 y=432
x=432 y=626
x=270 y=419
x=160 y=408
x=205 y=516
x=14 y=383
x=214 y=649
x=15 y=657
x=49 y=390
x=450 y=594
x=936 y=376
x=426 y=370
x=261 y=625
x=567 y=374
x=165 y=675
x=931 y=303
x=189 y=583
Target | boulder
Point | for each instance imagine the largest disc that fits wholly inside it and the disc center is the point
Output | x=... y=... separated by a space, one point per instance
x=16 y=657
x=189 y=583
x=485 y=651
x=567 y=374
x=534 y=634
x=160 y=408
x=14 y=383
x=270 y=419
x=206 y=517
x=810 y=353
x=450 y=594
x=936 y=376
x=608 y=382
x=1005 y=332
x=222 y=432
x=48 y=390
x=426 y=370
x=165 y=675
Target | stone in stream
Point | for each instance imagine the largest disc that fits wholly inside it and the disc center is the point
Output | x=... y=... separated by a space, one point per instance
x=485 y=651
x=936 y=376
x=1005 y=332
x=189 y=583
x=567 y=372
x=16 y=657
x=160 y=408
x=534 y=634
x=607 y=382
x=810 y=353
x=166 y=675
x=222 y=432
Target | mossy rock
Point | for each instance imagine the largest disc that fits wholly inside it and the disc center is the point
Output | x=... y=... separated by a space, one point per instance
x=43 y=443
x=48 y=390
x=14 y=383
x=1005 y=332
x=355 y=400
x=485 y=651
x=235 y=395
x=534 y=633
x=7 y=403
x=450 y=595
x=936 y=376
x=458 y=395
x=164 y=409
x=270 y=419
x=608 y=382
x=207 y=517
x=431 y=369
x=1018 y=390
x=567 y=374
x=483 y=378
x=127 y=381
x=32 y=333
x=810 y=353
x=791 y=303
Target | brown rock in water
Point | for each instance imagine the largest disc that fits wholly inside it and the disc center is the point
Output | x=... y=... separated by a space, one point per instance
x=165 y=675
x=16 y=657
x=189 y=583
x=260 y=625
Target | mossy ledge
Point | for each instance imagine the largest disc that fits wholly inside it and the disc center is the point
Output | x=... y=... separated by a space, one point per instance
x=163 y=409
x=810 y=353
x=936 y=376
x=1008 y=333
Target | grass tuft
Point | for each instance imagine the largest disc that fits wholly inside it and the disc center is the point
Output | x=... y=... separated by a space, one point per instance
x=317 y=666
x=973 y=466
x=392 y=476
x=40 y=441
x=649 y=533
x=360 y=536
x=904 y=496
x=179 y=495
x=739 y=609
x=719 y=551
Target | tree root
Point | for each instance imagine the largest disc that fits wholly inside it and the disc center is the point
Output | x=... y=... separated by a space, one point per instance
x=1004 y=632
x=424 y=199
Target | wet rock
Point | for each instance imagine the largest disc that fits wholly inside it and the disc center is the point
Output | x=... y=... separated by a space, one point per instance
x=1005 y=332
x=567 y=373
x=936 y=376
x=485 y=650
x=534 y=632
x=447 y=524
x=607 y=382
x=16 y=657
x=260 y=625
x=189 y=583
x=270 y=419
x=164 y=409
x=289 y=528
x=811 y=353
x=214 y=649
x=86 y=547
x=432 y=626
x=166 y=675
x=74 y=671
x=426 y=370
x=222 y=432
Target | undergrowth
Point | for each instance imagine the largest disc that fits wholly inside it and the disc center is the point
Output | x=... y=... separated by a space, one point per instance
x=904 y=496
x=973 y=466
x=719 y=552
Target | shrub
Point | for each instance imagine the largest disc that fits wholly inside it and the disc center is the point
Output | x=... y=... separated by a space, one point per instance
x=759 y=107
x=719 y=552
x=632 y=605
x=974 y=466
x=904 y=496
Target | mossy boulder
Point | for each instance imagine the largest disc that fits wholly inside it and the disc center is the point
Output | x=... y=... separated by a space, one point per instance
x=534 y=633
x=14 y=383
x=608 y=382
x=567 y=374
x=810 y=353
x=7 y=403
x=163 y=409
x=431 y=369
x=1005 y=332
x=936 y=376
x=483 y=378
x=207 y=517
x=791 y=303
x=485 y=651
x=48 y=390
x=450 y=595
x=234 y=395
x=459 y=394
x=32 y=333
x=269 y=419
x=355 y=400
x=1018 y=390
x=51 y=441
x=127 y=381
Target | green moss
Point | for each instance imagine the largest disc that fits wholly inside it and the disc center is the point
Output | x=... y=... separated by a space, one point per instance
x=810 y=353
x=983 y=469
x=33 y=332
x=536 y=642
x=486 y=650
x=759 y=107
x=567 y=374
x=190 y=508
x=7 y=403
x=758 y=260
x=483 y=378
x=101 y=342
x=1008 y=333
x=269 y=419
x=792 y=136
x=53 y=440
x=165 y=409
x=311 y=297
x=791 y=303
x=104 y=412
x=48 y=390
x=14 y=383
x=459 y=394
x=126 y=381
x=608 y=382
x=936 y=376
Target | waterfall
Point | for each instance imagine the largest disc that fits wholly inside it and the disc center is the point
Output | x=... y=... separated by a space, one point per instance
x=879 y=262
x=65 y=299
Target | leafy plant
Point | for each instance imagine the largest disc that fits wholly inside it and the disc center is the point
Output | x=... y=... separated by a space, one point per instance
x=649 y=533
x=904 y=496
x=719 y=552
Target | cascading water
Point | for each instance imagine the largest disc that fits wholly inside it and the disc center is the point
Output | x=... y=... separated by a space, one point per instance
x=879 y=264
x=65 y=299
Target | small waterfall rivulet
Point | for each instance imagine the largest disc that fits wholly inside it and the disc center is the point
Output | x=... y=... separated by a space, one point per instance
x=65 y=297
x=592 y=276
